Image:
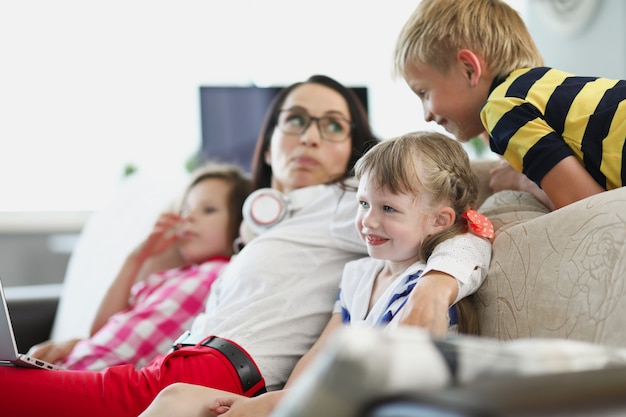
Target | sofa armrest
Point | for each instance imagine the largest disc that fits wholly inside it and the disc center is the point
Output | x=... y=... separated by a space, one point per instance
x=361 y=367
x=598 y=392
x=559 y=274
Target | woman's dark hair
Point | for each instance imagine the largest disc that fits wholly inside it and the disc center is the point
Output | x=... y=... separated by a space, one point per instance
x=362 y=136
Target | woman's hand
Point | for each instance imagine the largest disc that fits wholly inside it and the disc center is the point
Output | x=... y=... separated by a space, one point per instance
x=51 y=351
x=239 y=406
x=189 y=400
x=184 y=400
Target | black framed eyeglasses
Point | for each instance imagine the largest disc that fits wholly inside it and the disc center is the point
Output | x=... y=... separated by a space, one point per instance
x=332 y=128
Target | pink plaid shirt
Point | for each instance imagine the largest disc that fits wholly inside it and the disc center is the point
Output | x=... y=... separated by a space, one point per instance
x=161 y=308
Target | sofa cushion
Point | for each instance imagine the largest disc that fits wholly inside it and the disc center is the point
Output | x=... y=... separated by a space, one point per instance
x=560 y=274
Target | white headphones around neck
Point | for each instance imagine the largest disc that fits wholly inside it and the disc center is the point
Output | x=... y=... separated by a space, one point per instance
x=266 y=207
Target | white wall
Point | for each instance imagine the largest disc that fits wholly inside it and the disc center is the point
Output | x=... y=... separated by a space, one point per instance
x=585 y=37
x=89 y=86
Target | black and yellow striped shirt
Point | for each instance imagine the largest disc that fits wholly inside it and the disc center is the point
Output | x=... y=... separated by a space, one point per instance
x=538 y=116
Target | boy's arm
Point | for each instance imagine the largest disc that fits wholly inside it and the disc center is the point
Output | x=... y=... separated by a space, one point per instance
x=569 y=182
x=456 y=268
x=428 y=303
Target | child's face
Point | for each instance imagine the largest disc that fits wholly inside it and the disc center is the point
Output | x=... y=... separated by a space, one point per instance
x=392 y=225
x=203 y=231
x=449 y=99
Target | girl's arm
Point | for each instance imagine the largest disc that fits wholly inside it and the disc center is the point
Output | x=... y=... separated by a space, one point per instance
x=237 y=406
x=162 y=237
x=137 y=266
x=569 y=182
x=333 y=324
x=53 y=351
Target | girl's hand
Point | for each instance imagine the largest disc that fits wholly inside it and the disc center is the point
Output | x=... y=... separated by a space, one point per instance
x=162 y=237
x=53 y=351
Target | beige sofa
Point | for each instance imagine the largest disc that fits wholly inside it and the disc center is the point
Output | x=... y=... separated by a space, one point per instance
x=560 y=274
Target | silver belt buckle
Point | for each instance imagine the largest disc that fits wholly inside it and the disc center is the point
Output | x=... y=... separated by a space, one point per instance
x=181 y=339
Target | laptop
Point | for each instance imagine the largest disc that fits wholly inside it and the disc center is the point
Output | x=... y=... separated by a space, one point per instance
x=8 y=346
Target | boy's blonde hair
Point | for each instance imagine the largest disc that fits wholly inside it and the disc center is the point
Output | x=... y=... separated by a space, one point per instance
x=438 y=29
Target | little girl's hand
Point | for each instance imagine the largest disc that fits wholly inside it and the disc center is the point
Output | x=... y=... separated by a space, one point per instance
x=163 y=236
x=51 y=351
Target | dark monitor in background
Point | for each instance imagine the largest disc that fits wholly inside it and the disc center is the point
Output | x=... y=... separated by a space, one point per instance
x=231 y=118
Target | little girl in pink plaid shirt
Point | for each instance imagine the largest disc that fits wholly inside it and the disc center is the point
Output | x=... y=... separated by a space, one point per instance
x=142 y=312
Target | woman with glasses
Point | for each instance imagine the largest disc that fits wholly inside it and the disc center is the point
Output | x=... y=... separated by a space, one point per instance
x=272 y=301
x=297 y=118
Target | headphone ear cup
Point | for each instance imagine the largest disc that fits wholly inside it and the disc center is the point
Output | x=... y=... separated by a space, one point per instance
x=263 y=209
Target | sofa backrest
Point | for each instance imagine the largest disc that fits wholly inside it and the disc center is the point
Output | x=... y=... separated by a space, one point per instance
x=560 y=274
x=107 y=238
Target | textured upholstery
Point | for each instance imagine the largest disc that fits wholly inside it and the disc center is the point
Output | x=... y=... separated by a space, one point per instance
x=560 y=274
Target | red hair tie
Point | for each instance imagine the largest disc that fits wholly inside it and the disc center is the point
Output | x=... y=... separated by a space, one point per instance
x=479 y=224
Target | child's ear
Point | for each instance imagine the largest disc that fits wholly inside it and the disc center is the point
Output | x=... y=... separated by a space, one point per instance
x=268 y=158
x=471 y=65
x=444 y=218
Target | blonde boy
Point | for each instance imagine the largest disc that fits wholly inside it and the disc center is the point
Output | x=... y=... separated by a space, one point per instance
x=477 y=71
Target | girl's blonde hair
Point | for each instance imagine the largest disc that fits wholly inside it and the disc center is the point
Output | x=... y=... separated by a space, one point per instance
x=438 y=29
x=428 y=163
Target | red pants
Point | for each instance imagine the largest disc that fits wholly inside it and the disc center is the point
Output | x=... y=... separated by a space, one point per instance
x=117 y=391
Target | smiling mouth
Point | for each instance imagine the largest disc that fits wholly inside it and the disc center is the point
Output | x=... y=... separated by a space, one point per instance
x=375 y=240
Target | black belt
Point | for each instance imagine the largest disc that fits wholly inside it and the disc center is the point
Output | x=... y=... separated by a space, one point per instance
x=249 y=374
